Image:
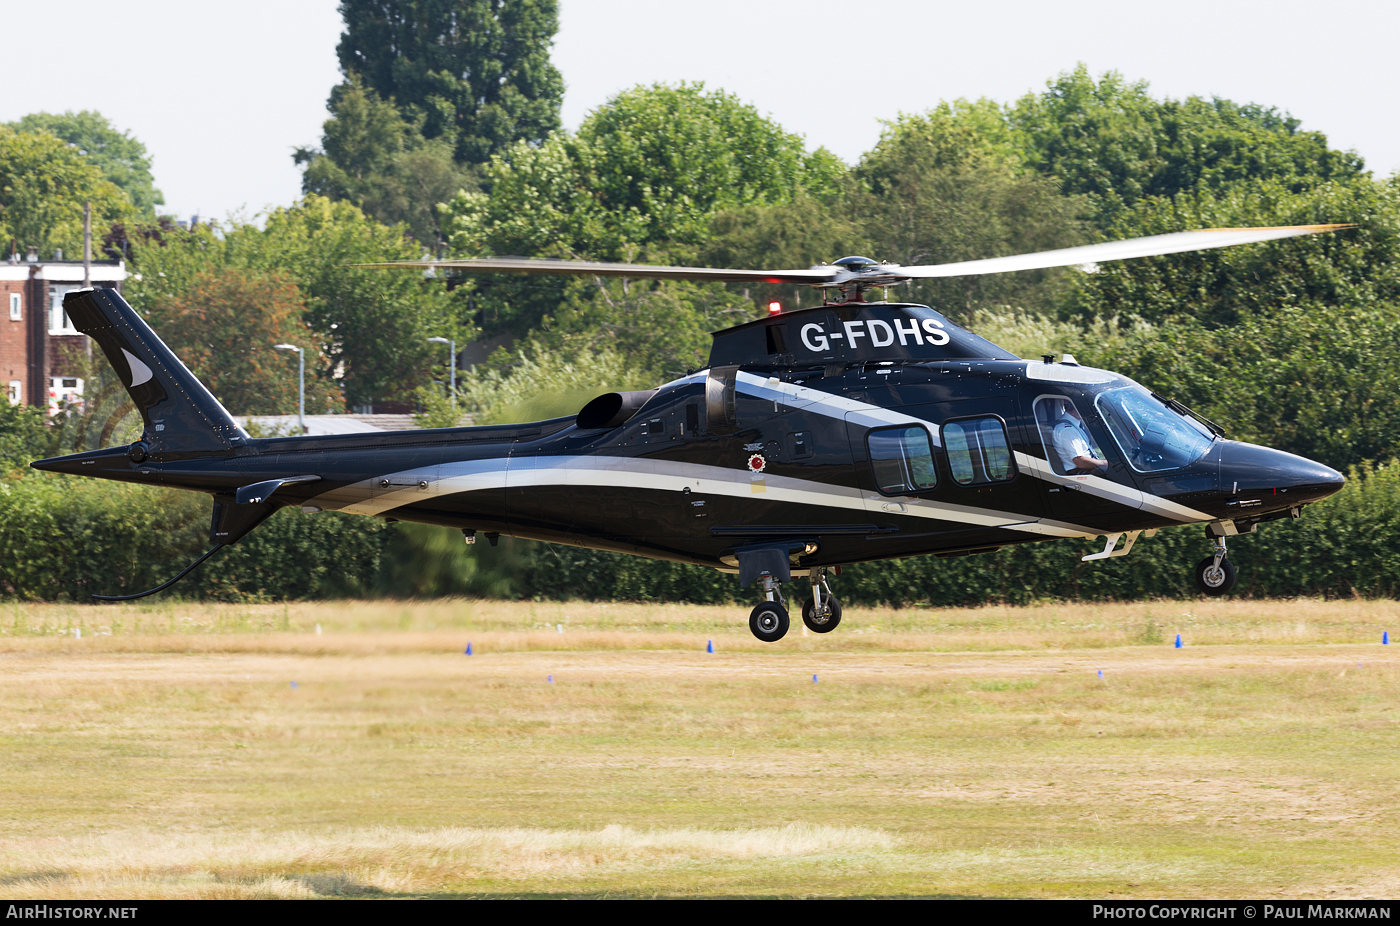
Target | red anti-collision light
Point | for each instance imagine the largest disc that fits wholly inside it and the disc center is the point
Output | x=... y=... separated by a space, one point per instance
x=774 y=308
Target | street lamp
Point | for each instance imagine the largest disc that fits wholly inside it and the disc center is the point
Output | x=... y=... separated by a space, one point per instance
x=301 y=382
x=452 y=374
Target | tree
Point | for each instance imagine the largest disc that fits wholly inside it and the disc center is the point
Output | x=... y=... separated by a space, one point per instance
x=224 y=325
x=642 y=180
x=375 y=159
x=372 y=325
x=1109 y=139
x=44 y=183
x=121 y=158
x=786 y=236
x=477 y=72
x=1352 y=268
x=646 y=171
x=951 y=185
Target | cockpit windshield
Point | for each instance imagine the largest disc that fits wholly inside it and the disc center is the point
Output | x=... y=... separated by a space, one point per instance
x=1151 y=435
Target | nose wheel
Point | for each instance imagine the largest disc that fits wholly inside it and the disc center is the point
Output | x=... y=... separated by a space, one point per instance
x=822 y=612
x=1215 y=576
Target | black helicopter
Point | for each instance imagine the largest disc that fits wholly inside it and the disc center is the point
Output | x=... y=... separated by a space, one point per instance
x=843 y=433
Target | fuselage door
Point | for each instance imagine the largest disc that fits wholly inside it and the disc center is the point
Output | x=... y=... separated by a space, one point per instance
x=1081 y=475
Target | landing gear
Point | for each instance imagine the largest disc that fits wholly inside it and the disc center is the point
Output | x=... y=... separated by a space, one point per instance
x=822 y=612
x=1214 y=574
x=769 y=620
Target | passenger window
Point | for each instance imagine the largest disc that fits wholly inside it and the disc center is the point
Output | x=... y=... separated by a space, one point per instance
x=1065 y=436
x=902 y=459
x=978 y=451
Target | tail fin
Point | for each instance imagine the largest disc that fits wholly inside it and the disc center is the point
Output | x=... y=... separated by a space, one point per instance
x=181 y=415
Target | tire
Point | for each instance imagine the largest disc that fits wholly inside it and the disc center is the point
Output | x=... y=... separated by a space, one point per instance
x=769 y=621
x=1215 y=582
x=826 y=624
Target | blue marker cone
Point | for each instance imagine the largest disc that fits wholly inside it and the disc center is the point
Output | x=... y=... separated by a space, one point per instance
x=1101 y=673
x=709 y=646
x=469 y=649
x=294 y=686
x=1385 y=637
x=814 y=679
x=1178 y=641
x=551 y=680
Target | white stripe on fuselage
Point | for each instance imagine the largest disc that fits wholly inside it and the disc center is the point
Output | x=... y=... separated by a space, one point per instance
x=368 y=497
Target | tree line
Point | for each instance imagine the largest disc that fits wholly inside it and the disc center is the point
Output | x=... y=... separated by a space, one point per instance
x=447 y=141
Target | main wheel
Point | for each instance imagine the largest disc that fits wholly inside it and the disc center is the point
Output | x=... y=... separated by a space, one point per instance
x=769 y=621
x=1213 y=580
x=822 y=623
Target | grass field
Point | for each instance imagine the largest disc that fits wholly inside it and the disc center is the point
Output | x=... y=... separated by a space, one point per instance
x=166 y=752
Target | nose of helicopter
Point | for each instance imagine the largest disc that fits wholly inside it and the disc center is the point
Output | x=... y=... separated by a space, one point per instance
x=1261 y=477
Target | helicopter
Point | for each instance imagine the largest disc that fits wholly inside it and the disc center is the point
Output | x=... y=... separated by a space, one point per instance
x=846 y=432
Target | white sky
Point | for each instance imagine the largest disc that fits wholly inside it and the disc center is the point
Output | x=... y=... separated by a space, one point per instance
x=222 y=93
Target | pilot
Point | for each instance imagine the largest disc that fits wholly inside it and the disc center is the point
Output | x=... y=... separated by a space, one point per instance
x=1075 y=447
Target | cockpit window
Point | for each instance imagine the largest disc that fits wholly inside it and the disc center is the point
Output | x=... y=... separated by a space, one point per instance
x=1151 y=436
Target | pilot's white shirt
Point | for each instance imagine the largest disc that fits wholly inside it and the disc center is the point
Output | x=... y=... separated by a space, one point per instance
x=1071 y=441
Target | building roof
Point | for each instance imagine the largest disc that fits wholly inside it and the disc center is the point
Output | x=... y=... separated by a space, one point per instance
x=65 y=271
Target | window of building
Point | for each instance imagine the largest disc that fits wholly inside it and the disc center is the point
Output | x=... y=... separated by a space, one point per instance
x=65 y=392
x=978 y=451
x=59 y=322
x=16 y=307
x=16 y=392
x=902 y=459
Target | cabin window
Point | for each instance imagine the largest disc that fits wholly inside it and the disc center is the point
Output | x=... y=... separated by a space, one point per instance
x=902 y=460
x=978 y=451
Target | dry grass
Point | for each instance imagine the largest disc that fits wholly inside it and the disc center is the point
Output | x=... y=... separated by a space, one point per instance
x=166 y=753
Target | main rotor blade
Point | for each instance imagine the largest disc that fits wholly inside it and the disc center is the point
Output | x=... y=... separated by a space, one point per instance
x=635 y=271
x=1174 y=243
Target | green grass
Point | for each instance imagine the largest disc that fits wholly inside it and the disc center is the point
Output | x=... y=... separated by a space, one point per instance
x=949 y=753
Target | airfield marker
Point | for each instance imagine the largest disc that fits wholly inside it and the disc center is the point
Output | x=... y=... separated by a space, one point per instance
x=1385 y=637
x=294 y=686
x=561 y=627
x=1178 y=641
x=814 y=679
x=469 y=648
x=1101 y=673
x=318 y=630
x=551 y=679
x=709 y=646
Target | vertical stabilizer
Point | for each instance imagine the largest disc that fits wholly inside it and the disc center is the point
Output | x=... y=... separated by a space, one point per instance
x=181 y=416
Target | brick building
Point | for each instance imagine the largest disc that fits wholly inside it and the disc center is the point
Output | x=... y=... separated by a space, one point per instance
x=40 y=350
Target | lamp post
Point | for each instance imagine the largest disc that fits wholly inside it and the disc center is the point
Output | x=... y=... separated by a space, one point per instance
x=452 y=369
x=301 y=382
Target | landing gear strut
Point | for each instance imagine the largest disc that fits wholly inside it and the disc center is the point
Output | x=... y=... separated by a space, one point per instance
x=769 y=620
x=822 y=612
x=1214 y=574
